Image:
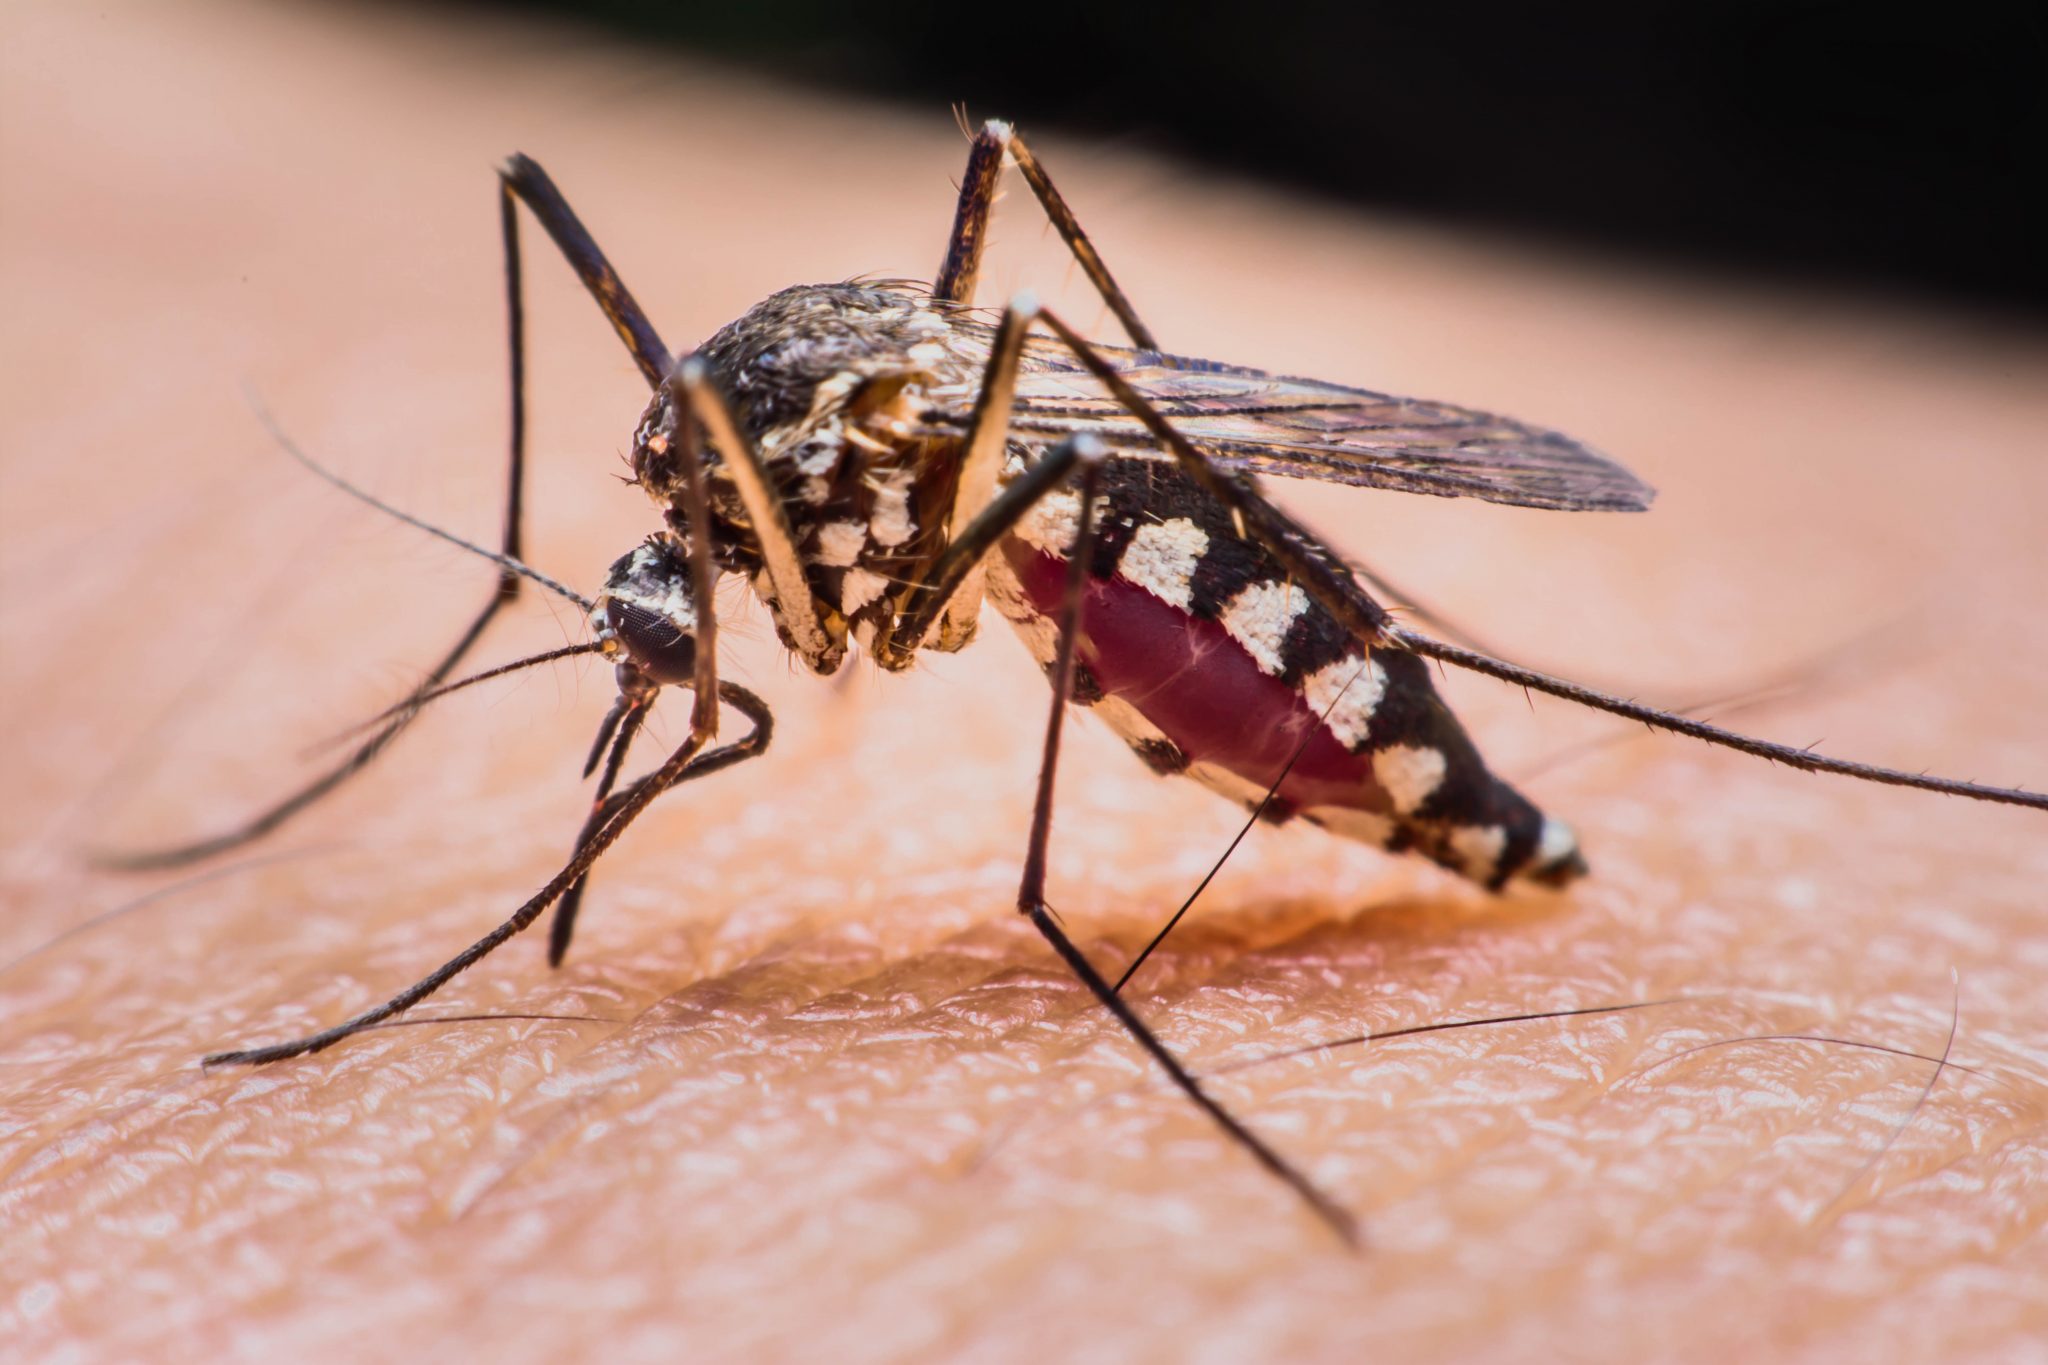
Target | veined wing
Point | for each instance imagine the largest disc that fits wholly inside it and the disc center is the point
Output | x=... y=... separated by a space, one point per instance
x=1307 y=429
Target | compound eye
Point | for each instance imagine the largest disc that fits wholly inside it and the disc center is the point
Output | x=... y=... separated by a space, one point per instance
x=646 y=614
x=663 y=651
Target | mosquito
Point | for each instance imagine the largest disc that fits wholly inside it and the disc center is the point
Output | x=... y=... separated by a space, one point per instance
x=876 y=458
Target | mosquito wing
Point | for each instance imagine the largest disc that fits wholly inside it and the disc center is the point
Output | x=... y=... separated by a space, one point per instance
x=1306 y=429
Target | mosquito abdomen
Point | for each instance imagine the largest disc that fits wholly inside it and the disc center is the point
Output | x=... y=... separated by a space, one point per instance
x=1198 y=654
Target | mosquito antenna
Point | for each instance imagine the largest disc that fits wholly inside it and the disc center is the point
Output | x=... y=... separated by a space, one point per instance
x=503 y=561
x=1244 y=829
x=420 y=699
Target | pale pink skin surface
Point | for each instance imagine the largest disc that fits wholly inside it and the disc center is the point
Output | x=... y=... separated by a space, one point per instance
x=842 y=1114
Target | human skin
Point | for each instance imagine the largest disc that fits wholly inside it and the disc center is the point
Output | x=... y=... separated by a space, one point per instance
x=832 y=1099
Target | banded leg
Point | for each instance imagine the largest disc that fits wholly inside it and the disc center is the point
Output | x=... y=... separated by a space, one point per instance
x=1031 y=902
x=686 y=764
x=962 y=266
x=1331 y=583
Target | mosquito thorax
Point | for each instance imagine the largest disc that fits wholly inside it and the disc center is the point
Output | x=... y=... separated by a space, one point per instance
x=830 y=385
x=645 y=616
x=798 y=363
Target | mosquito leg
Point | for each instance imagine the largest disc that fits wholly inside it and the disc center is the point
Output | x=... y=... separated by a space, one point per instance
x=524 y=180
x=686 y=764
x=1331 y=583
x=961 y=268
x=632 y=713
x=1320 y=574
x=980 y=462
x=962 y=557
x=507 y=590
x=956 y=281
x=795 y=605
x=1032 y=904
x=636 y=691
x=1077 y=242
x=958 y=272
x=1804 y=759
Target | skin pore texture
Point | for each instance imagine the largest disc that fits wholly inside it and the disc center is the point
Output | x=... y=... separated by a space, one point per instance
x=843 y=1103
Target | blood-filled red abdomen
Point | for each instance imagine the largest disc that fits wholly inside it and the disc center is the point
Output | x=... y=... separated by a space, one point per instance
x=1364 y=746
x=1200 y=689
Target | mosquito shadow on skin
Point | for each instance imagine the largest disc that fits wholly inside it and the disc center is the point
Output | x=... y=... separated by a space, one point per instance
x=1365 y=942
x=811 y=998
x=769 y=1013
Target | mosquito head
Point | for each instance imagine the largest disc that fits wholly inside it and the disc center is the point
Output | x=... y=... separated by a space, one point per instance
x=646 y=617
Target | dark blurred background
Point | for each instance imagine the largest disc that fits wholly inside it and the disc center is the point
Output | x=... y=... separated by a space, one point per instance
x=1857 y=144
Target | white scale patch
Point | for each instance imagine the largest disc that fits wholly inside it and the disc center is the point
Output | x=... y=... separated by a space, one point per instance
x=858 y=589
x=1556 y=844
x=823 y=451
x=1347 y=692
x=1258 y=618
x=826 y=399
x=891 y=524
x=673 y=604
x=925 y=321
x=1409 y=773
x=840 y=544
x=1478 y=848
x=1161 y=559
x=1050 y=526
